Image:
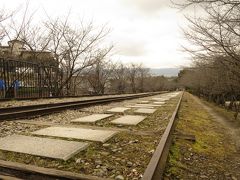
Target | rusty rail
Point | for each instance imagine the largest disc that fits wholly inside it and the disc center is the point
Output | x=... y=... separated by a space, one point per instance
x=19 y=112
x=156 y=166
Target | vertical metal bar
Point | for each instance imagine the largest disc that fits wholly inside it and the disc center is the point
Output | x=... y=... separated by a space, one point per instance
x=4 y=78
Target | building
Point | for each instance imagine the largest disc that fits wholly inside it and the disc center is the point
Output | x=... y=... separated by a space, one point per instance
x=16 y=50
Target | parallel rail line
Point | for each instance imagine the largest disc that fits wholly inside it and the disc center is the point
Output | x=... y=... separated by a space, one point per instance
x=154 y=170
x=156 y=166
x=19 y=112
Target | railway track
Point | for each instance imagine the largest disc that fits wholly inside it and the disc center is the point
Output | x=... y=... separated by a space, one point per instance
x=30 y=111
x=156 y=166
x=154 y=170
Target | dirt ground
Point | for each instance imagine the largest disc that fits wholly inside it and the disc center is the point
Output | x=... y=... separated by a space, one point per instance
x=215 y=154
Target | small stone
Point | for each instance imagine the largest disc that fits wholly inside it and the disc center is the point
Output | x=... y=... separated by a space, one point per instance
x=134 y=170
x=119 y=125
x=151 y=152
x=106 y=145
x=104 y=153
x=78 y=161
x=119 y=177
x=129 y=164
x=99 y=172
x=98 y=162
x=114 y=150
x=203 y=177
x=123 y=160
x=133 y=141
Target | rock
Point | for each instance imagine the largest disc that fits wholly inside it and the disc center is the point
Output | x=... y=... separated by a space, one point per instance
x=119 y=149
x=123 y=160
x=203 y=177
x=129 y=164
x=99 y=172
x=114 y=150
x=98 y=162
x=119 y=177
x=133 y=141
x=78 y=161
x=151 y=151
x=110 y=168
x=104 y=168
x=134 y=170
x=106 y=145
x=104 y=153
x=130 y=128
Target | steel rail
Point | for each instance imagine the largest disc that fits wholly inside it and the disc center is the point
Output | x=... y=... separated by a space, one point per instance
x=60 y=97
x=155 y=169
x=11 y=113
x=156 y=166
x=13 y=170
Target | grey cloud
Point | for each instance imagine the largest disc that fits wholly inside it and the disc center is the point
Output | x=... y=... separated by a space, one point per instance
x=149 y=6
x=131 y=48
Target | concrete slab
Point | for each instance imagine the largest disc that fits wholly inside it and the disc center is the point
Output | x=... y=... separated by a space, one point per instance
x=137 y=106
x=159 y=102
x=160 y=99
x=45 y=147
x=148 y=105
x=92 y=118
x=118 y=110
x=144 y=102
x=128 y=120
x=145 y=111
x=77 y=133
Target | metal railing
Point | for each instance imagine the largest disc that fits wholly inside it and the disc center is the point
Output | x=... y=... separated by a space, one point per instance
x=21 y=79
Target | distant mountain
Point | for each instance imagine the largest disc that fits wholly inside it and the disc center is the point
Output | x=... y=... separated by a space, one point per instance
x=165 y=71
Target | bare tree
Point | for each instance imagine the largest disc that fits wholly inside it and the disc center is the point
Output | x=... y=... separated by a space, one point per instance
x=100 y=73
x=143 y=75
x=133 y=73
x=215 y=40
x=73 y=48
x=120 y=78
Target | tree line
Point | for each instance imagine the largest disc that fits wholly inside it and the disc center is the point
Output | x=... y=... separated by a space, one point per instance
x=81 y=54
x=215 y=49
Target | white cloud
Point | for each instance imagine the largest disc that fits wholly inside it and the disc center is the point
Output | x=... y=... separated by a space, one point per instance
x=148 y=6
x=144 y=31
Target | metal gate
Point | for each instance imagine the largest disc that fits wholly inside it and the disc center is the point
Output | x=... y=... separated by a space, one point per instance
x=19 y=79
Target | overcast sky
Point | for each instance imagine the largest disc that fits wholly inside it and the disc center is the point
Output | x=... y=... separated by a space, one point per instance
x=146 y=31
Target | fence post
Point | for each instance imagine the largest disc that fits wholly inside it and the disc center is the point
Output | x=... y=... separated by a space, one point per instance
x=40 y=82
x=4 y=79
